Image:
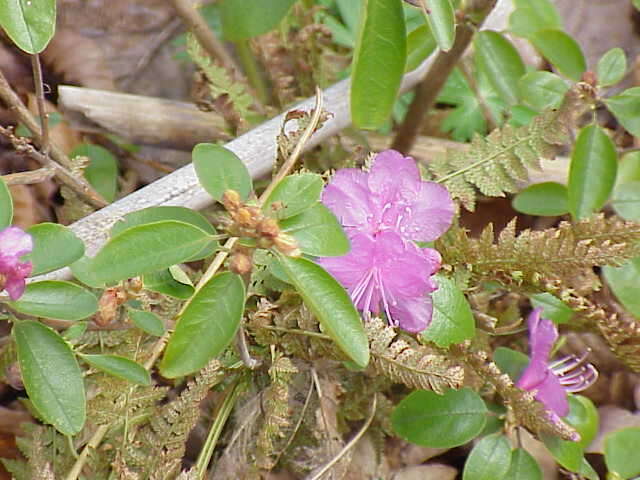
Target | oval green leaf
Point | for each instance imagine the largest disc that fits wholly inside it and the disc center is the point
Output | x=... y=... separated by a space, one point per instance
x=165 y=282
x=30 y=24
x=523 y=466
x=499 y=60
x=6 y=205
x=378 y=62
x=147 y=321
x=206 y=327
x=243 y=19
x=51 y=376
x=219 y=170
x=490 y=459
x=552 y=308
x=592 y=173
x=179 y=214
x=510 y=361
x=623 y=281
x=452 y=320
x=52 y=237
x=542 y=90
x=533 y=15
x=441 y=421
x=120 y=367
x=146 y=249
x=75 y=331
x=442 y=20
x=626 y=200
x=629 y=168
x=420 y=44
x=331 y=305
x=621 y=452
x=611 y=67
x=56 y=299
x=102 y=171
x=626 y=107
x=318 y=232
x=294 y=195
x=562 y=51
x=543 y=199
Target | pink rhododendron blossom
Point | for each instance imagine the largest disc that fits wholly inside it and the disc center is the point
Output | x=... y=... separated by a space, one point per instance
x=383 y=212
x=13 y=244
x=552 y=381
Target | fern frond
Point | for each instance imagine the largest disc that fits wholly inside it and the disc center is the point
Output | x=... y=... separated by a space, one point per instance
x=219 y=80
x=496 y=163
x=526 y=257
x=409 y=363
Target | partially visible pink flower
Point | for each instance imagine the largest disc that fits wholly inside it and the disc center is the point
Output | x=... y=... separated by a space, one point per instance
x=383 y=212
x=552 y=381
x=13 y=244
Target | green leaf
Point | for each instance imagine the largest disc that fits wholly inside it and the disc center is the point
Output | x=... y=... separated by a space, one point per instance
x=623 y=281
x=206 y=327
x=147 y=321
x=75 y=331
x=587 y=471
x=180 y=214
x=30 y=24
x=611 y=67
x=592 y=173
x=452 y=320
x=636 y=3
x=542 y=90
x=499 y=60
x=318 y=232
x=120 y=367
x=243 y=19
x=543 y=199
x=629 y=168
x=6 y=205
x=378 y=63
x=626 y=200
x=219 y=170
x=52 y=237
x=420 y=44
x=294 y=195
x=523 y=466
x=165 y=282
x=331 y=305
x=490 y=459
x=146 y=249
x=533 y=15
x=621 y=452
x=56 y=299
x=51 y=376
x=102 y=171
x=625 y=108
x=510 y=362
x=441 y=18
x=552 y=308
x=441 y=421
x=562 y=51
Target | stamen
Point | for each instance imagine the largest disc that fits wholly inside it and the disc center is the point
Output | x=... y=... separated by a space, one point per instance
x=361 y=287
x=578 y=381
x=568 y=363
x=384 y=300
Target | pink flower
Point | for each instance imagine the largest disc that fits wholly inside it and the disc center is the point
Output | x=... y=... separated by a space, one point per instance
x=13 y=244
x=383 y=212
x=552 y=381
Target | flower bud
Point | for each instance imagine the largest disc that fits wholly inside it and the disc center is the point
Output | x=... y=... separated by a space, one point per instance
x=287 y=244
x=240 y=263
x=231 y=200
x=268 y=227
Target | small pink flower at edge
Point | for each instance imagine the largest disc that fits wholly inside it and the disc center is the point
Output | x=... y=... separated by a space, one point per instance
x=14 y=243
x=383 y=212
x=551 y=381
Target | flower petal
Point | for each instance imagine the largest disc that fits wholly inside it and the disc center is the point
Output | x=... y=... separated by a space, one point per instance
x=15 y=285
x=552 y=394
x=394 y=177
x=13 y=244
x=542 y=335
x=348 y=197
x=413 y=314
x=350 y=268
x=430 y=215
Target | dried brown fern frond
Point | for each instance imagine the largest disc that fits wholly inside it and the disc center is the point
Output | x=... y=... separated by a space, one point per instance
x=527 y=257
x=527 y=411
x=404 y=361
x=496 y=163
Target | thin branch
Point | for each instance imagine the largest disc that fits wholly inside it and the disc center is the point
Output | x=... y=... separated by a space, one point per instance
x=42 y=112
x=56 y=157
x=30 y=177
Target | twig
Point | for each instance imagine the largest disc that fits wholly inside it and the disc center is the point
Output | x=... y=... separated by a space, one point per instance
x=78 y=185
x=317 y=475
x=427 y=91
x=30 y=177
x=56 y=157
x=39 y=88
